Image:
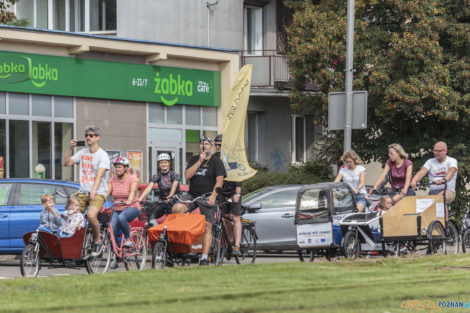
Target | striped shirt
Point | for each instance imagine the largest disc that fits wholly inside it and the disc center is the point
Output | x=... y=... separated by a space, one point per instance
x=121 y=190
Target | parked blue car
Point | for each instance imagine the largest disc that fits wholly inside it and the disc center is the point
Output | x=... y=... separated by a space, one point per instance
x=20 y=206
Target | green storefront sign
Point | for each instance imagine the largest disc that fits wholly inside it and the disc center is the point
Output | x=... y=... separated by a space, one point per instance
x=31 y=73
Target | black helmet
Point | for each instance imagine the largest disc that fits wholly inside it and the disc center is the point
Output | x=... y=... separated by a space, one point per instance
x=218 y=137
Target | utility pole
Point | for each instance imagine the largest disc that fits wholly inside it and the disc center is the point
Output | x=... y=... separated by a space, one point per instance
x=349 y=75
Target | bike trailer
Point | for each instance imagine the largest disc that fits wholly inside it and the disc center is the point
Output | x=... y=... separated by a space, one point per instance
x=182 y=230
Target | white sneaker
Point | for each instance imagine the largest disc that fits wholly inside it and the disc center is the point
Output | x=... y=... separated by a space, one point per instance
x=113 y=264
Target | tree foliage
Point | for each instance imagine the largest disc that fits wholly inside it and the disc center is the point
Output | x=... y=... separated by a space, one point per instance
x=413 y=58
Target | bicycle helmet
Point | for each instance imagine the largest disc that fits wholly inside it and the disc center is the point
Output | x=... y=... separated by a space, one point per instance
x=121 y=160
x=218 y=137
x=163 y=157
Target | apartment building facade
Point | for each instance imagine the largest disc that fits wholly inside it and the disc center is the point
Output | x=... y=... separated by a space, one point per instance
x=208 y=39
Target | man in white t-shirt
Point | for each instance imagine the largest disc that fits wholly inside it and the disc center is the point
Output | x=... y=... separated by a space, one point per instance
x=94 y=171
x=442 y=168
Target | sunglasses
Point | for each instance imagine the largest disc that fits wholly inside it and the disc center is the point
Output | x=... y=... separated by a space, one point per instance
x=218 y=145
x=90 y=135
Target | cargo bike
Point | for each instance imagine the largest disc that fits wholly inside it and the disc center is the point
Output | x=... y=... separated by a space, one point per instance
x=319 y=210
x=43 y=247
x=414 y=223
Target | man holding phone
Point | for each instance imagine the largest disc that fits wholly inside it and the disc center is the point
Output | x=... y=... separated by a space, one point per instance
x=205 y=174
x=93 y=171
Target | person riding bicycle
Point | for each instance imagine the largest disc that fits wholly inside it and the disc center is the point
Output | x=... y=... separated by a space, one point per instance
x=205 y=174
x=354 y=175
x=94 y=171
x=168 y=183
x=400 y=169
x=123 y=188
x=440 y=169
x=232 y=210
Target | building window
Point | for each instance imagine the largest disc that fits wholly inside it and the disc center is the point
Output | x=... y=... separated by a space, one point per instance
x=179 y=127
x=35 y=129
x=253 y=30
x=69 y=15
x=299 y=144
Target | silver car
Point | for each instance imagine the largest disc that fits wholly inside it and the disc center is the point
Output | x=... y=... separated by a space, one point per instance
x=273 y=210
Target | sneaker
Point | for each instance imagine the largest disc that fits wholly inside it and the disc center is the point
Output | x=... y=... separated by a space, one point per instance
x=152 y=222
x=128 y=244
x=97 y=249
x=113 y=264
x=236 y=251
x=204 y=262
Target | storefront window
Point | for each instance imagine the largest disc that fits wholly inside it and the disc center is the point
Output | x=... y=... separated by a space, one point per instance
x=2 y=148
x=2 y=103
x=18 y=104
x=209 y=116
x=192 y=143
x=62 y=136
x=63 y=107
x=19 y=148
x=42 y=146
x=193 y=115
x=41 y=105
x=174 y=115
x=156 y=113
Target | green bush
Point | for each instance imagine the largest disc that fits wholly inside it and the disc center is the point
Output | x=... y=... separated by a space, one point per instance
x=306 y=173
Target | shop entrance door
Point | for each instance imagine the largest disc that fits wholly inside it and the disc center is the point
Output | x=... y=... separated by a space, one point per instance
x=173 y=152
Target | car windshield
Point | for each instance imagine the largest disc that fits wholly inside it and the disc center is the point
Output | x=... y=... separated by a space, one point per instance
x=255 y=194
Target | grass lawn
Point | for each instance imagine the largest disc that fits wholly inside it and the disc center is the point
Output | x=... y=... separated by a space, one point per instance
x=380 y=285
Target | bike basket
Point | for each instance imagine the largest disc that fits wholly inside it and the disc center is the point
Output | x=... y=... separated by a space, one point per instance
x=104 y=215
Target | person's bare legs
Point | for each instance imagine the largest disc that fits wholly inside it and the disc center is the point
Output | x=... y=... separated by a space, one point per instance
x=92 y=216
x=207 y=239
x=228 y=224
x=237 y=229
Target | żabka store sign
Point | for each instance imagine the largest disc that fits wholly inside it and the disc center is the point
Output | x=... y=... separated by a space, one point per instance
x=30 y=73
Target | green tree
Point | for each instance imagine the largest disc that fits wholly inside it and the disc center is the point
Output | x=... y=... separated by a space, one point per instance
x=7 y=17
x=412 y=56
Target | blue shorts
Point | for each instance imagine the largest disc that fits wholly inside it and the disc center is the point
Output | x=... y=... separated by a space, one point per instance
x=410 y=192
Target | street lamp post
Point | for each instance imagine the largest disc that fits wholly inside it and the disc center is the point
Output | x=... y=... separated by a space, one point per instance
x=349 y=76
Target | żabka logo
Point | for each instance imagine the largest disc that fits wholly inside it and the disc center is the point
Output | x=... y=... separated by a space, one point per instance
x=43 y=73
x=172 y=86
x=14 y=69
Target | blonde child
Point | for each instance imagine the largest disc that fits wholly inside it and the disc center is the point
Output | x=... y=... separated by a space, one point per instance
x=74 y=217
x=50 y=217
x=384 y=205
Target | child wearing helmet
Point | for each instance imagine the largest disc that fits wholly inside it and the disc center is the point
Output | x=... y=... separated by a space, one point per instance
x=168 y=183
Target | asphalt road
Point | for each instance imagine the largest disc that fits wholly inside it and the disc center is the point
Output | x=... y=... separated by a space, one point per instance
x=10 y=265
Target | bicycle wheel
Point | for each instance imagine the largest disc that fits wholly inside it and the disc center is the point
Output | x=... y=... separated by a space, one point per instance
x=100 y=263
x=29 y=264
x=437 y=238
x=351 y=246
x=136 y=257
x=218 y=245
x=159 y=256
x=466 y=241
x=453 y=238
x=247 y=246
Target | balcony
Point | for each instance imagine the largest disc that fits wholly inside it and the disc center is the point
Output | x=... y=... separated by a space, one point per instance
x=269 y=68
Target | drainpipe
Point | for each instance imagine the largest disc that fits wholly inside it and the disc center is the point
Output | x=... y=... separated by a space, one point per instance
x=210 y=8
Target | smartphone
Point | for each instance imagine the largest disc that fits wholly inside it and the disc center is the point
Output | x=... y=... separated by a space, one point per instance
x=80 y=143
